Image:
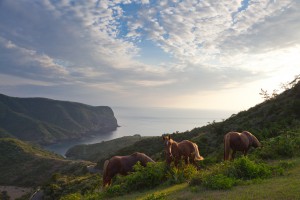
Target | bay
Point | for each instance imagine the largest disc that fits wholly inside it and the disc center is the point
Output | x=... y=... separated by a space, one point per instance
x=148 y=122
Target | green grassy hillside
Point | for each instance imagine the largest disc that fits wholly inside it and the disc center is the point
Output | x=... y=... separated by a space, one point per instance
x=272 y=118
x=22 y=164
x=276 y=188
x=276 y=117
x=271 y=172
x=43 y=120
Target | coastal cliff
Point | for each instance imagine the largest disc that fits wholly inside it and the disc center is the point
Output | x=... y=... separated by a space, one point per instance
x=46 y=121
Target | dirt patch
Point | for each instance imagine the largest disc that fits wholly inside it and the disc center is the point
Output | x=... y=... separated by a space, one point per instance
x=15 y=192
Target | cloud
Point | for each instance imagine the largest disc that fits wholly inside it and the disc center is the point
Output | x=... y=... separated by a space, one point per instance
x=99 y=46
x=198 y=32
x=28 y=63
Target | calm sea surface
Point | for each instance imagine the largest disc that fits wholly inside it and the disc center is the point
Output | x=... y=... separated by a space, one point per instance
x=148 y=122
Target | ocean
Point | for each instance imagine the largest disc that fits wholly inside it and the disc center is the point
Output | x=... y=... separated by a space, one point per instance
x=148 y=122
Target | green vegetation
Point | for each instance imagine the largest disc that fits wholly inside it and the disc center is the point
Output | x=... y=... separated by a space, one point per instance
x=22 y=164
x=226 y=175
x=45 y=121
x=144 y=178
x=270 y=172
x=155 y=182
x=286 y=145
x=69 y=187
x=274 y=121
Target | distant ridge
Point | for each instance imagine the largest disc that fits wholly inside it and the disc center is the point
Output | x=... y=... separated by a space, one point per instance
x=46 y=121
x=22 y=164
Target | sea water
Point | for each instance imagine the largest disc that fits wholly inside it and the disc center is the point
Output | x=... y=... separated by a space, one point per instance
x=148 y=122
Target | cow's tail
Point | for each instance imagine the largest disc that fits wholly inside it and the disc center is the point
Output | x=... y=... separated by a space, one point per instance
x=226 y=146
x=104 y=171
x=197 y=154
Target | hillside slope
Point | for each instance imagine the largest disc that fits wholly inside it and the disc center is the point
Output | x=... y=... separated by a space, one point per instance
x=279 y=187
x=277 y=116
x=22 y=164
x=45 y=121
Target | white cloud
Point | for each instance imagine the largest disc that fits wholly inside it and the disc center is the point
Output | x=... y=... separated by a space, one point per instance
x=98 y=45
x=27 y=61
x=197 y=32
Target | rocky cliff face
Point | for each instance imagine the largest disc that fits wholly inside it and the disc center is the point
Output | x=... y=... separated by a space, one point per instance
x=47 y=121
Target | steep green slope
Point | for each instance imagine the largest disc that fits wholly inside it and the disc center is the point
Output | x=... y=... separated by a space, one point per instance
x=274 y=117
x=46 y=121
x=22 y=164
x=279 y=131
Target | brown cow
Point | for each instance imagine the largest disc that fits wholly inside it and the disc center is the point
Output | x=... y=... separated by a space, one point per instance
x=122 y=165
x=238 y=142
x=186 y=149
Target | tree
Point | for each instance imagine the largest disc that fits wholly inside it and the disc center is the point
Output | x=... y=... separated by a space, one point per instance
x=283 y=86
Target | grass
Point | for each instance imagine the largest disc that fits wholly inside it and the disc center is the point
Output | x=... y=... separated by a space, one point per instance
x=160 y=190
x=280 y=187
x=22 y=164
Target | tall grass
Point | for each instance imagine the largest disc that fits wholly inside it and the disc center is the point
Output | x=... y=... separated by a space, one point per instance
x=227 y=174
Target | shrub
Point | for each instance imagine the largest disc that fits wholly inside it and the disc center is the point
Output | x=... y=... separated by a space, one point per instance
x=63 y=185
x=197 y=179
x=219 y=181
x=143 y=177
x=213 y=180
x=209 y=160
x=115 y=190
x=244 y=168
x=179 y=175
x=152 y=175
x=283 y=146
x=225 y=175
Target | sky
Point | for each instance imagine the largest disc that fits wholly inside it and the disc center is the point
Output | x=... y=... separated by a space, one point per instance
x=165 y=53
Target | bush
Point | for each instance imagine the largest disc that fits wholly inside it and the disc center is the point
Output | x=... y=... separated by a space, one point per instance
x=219 y=181
x=145 y=177
x=213 y=180
x=152 y=175
x=179 y=175
x=244 y=168
x=142 y=178
x=115 y=190
x=283 y=146
x=210 y=160
x=63 y=185
x=225 y=175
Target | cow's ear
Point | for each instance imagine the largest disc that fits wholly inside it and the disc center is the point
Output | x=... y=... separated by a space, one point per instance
x=169 y=137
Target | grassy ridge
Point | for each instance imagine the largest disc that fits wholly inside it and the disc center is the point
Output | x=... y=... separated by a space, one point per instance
x=22 y=164
x=43 y=120
x=270 y=119
x=275 y=122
